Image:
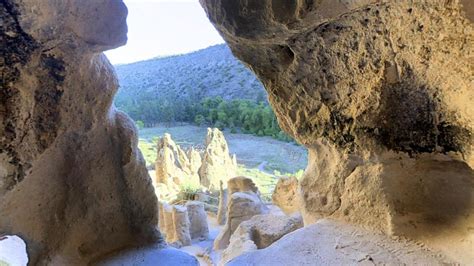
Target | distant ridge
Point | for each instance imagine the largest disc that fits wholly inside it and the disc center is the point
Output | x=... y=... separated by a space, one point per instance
x=191 y=77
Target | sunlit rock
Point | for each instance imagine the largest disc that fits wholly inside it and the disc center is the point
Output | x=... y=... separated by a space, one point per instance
x=242 y=205
x=217 y=163
x=286 y=195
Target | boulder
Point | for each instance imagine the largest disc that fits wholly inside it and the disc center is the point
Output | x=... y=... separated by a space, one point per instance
x=222 y=208
x=286 y=195
x=181 y=226
x=198 y=228
x=329 y=242
x=380 y=92
x=241 y=207
x=241 y=184
x=217 y=164
x=259 y=232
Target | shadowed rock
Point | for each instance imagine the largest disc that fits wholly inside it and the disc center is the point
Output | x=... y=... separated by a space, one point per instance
x=380 y=92
x=198 y=228
x=259 y=232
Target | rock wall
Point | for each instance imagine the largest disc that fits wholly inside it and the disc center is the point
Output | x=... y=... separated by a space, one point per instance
x=381 y=93
x=73 y=184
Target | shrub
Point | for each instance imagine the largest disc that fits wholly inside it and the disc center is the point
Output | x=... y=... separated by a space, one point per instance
x=140 y=124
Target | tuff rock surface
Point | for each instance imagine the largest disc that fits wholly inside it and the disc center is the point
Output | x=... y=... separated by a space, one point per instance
x=259 y=232
x=222 y=207
x=286 y=195
x=217 y=164
x=329 y=242
x=381 y=94
x=181 y=225
x=73 y=183
x=198 y=228
x=174 y=166
x=242 y=205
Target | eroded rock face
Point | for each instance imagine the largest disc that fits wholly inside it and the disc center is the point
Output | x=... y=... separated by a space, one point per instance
x=259 y=232
x=242 y=206
x=198 y=228
x=286 y=195
x=72 y=182
x=181 y=225
x=222 y=208
x=217 y=163
x=380 y=92
x=174 y=166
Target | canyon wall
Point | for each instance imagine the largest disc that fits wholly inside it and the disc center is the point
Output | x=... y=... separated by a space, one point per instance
x=381 y=94
x=73 y=184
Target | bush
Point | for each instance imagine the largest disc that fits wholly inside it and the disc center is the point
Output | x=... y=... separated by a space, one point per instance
x=199 y=120
x=140 y=124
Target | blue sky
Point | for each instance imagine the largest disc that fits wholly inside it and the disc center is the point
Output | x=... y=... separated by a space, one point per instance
x=164 y=27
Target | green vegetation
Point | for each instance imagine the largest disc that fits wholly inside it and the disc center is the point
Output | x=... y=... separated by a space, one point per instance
x=207 y=88
x=245 y=116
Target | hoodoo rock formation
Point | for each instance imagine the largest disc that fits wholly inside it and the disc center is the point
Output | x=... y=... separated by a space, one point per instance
x=244 y=202
x=73 y=183
x=381 y=93
x=217 y=164
x=174 y=166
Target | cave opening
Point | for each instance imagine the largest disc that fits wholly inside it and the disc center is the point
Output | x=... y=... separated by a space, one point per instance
x=203 y=118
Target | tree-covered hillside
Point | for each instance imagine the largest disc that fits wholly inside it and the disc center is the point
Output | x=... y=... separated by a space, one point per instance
x=209 y=72
x=208 y=87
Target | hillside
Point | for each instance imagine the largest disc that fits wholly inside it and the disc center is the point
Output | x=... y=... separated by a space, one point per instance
x=209 y=72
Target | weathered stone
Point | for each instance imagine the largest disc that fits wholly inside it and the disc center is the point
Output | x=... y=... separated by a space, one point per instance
x=241 y=207
x=181 y=236
x=173 y=167
x=286 y=195
x=199 y=228
x=161 y=217
x=195 y=161
x=73 y=183
x=241 y=184
x=259 y=232
x=380 y=92
x=217 y=164
x=333 y=243
x=222 y=208
x=169 y=231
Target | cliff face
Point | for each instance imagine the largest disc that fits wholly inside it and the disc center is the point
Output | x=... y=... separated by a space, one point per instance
x=73 y=184
x=381 y=93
